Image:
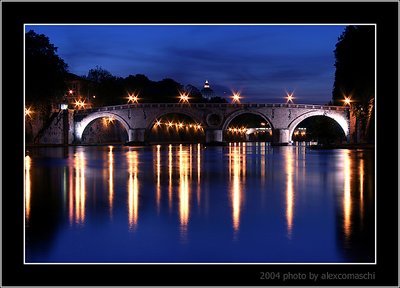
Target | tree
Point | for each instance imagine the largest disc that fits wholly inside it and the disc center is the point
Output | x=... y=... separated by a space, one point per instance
x=44 y=73
x=194 y=94
x=99 y=75
x=109 y=90
x=355 y=72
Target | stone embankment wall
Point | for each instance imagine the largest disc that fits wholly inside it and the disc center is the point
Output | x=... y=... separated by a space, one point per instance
x=58 y=129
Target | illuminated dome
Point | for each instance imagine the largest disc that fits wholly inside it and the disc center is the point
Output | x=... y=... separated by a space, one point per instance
x=207 y=92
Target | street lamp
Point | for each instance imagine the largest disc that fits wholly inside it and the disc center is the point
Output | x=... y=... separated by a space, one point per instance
x=183 y=97
x=347 y=101
x=28 y=112
x=236 y=97
x=79 y=104
x=133 y=98
x=289 y=97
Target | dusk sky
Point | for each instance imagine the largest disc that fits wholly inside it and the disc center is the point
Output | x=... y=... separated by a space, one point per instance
x=263 y=62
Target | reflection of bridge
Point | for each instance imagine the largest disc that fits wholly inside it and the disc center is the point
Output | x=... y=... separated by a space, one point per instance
x=138 y=119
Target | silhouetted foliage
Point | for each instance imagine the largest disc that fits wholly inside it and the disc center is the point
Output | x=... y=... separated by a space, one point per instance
x=194 y=94
x=355 y=72
x=217 y=99
x=44 y=72
x=107 y=88
x=99 y=75
x=355 y=65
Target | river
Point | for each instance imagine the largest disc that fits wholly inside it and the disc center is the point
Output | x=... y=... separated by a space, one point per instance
x=242 y=203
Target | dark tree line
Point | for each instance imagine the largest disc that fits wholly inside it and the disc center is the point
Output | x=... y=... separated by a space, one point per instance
x=44 y=72
x=112 y=90
x=355 y=74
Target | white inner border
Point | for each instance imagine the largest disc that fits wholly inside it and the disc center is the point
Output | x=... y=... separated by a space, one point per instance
x=205 y=24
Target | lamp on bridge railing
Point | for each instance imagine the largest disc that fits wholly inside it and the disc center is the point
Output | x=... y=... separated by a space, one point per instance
x=347 y=101
x=133 y=98
x=236 y=97
x=183 y=97
x=289 y=97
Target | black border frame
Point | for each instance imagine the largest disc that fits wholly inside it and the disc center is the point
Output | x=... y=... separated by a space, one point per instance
x=16 y=14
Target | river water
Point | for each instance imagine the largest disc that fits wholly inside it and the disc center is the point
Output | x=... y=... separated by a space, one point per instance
x=242 y=203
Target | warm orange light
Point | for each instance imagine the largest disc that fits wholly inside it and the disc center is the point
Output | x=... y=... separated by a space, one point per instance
x=71 y=91
x=80 y=188
x=133 y=98
x=133 y=189
x=184 y=97
x=289 y=97
x=347 y=100
x=236 y=97
x=27 y=187
x=170 y=124
x=347 y=205
x=158 y=122
x=79 y=104
x=170 y=167
x=158 y=165
x=28 y=112
x=289 y=191
x=110 y=178
x=184 y=188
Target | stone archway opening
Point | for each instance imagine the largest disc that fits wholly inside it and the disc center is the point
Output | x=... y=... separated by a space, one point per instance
x=320 y=129
x=104 y=130
x=176 y=128
x=248 y=127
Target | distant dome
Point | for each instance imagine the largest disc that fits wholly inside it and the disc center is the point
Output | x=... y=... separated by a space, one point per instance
x=207 y=92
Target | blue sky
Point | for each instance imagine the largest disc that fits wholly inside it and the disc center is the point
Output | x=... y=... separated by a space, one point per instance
x=260 y=61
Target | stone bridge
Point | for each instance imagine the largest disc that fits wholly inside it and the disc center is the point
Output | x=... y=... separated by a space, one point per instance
x=138 y=119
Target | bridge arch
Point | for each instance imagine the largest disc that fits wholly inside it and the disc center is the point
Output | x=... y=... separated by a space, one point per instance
x=153 y=120
x=237 y=113
x=339 y=118
x=81 y=126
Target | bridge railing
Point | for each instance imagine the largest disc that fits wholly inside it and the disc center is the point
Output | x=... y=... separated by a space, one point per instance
x=210 y=105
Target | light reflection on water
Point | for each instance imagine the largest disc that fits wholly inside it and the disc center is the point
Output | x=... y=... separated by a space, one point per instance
x=347 y=174
x=133 y=188
x=299 y=194
x=80 y=190
x=27 y=187
x=289 y=163
x=110 y=178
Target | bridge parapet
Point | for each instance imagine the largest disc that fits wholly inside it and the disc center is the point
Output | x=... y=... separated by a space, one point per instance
x=210 y=105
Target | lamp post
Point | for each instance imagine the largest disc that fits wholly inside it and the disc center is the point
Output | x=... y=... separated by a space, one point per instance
x=133 y=98
x=289 y=97
x=236 y=97
x=183 y=97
